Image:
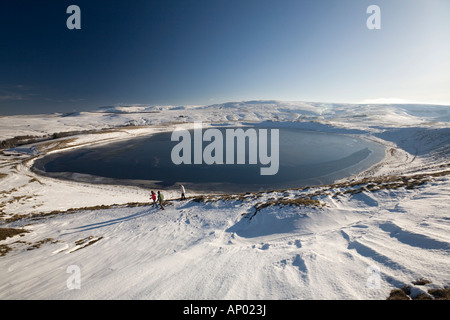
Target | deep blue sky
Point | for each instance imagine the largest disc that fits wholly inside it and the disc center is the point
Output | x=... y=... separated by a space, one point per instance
x=211 y=51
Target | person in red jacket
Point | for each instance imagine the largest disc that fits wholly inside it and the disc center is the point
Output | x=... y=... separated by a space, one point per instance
x=153 y=197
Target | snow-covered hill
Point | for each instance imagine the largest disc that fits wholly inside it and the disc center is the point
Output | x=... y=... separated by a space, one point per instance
x=357 y=239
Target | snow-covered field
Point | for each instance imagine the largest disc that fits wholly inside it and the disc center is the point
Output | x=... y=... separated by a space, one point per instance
x=357 y=239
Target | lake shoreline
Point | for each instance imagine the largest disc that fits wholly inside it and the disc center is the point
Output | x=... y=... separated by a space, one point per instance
x=355 y=163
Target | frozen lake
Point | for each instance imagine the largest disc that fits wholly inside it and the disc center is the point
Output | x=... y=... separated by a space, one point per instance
x=305 y=158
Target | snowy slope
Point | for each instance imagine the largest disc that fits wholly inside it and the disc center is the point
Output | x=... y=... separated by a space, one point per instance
x=364 y=239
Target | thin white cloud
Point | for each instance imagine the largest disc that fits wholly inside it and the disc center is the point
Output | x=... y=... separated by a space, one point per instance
x=11 y=97
x=386 y=101
x=16 y=92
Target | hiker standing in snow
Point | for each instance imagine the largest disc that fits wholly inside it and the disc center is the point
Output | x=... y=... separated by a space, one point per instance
x=153 y=197
x=183 y=197
x=161 y=199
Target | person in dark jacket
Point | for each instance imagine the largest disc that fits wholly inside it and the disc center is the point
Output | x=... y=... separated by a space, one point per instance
x=183 y=191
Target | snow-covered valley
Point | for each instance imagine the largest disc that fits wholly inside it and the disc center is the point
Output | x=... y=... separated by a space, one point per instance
x=358 y=238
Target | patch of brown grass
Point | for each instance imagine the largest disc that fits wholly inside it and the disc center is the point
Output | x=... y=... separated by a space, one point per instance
x=4 y=249
x=299 y=202
x=223 y=197
x=10 y=232
x=433 y=294
x=43 y=215
x=398 y=294
x=34 y=179
x=440 y=293
x=421 y=282
x=39 y=243
x=83 y=243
